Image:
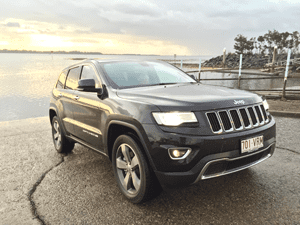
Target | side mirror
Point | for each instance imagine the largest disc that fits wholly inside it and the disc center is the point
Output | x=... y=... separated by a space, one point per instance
x=192 y=76
x=88 y=85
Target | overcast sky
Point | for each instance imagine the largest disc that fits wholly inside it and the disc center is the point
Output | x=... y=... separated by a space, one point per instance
x=141 y=27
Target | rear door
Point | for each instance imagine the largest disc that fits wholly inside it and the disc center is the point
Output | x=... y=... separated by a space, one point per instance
x=66 y=95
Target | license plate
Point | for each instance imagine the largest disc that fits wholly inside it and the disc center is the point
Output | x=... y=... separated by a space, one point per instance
x=252 y=144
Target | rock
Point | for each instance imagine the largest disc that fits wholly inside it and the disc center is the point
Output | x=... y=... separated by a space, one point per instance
x=265 y=70
x=279 y=69
x=249 y=60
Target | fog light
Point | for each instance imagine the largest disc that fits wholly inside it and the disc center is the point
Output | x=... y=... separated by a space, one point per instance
x=179 y=153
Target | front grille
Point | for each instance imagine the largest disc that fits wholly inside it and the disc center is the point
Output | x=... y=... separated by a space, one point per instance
x=214 y=122
x=260 y=118
x=225 y=120
x=237 y=119
x=264 y=113
x=252 y=116
x=245 y=118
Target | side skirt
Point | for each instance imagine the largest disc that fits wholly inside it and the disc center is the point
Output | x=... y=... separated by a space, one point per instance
x=77 y=140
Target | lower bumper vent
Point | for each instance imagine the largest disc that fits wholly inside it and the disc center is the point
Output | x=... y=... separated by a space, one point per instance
x=223 y=167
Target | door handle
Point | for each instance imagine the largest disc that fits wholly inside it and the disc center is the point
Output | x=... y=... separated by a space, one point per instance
x=76 y=97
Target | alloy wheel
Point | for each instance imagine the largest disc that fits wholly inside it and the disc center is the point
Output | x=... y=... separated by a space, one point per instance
x=128 y=169
x=56 y=134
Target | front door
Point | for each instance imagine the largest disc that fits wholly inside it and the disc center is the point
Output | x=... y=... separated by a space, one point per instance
x=87 y=111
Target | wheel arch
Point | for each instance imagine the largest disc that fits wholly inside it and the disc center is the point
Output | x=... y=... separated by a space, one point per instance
x=117 y=128
x=52 y=113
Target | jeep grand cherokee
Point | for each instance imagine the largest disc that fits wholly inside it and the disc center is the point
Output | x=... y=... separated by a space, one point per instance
x=158 y=126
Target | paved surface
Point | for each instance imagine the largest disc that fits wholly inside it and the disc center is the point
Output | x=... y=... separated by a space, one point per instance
x=80 y=188
x=25 y=154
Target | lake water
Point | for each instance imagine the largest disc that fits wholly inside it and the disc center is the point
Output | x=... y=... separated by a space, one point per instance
x=26 y=80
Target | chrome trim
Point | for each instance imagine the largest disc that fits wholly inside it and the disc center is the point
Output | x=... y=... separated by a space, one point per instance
x=86 y=145
x=215 y=132
x=266 y=119
x=232 y=122
x=257 y=121
x=243 y=127
x=249 y=117
x=218 y=113
x=202 y=177
x=220 y=121
x=83 y=125
x=250 y=121
x=255 y=113
x=241 y=119
x=189 y=150
x=260 y=123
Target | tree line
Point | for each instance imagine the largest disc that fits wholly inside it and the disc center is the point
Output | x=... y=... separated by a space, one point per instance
x=265 y=44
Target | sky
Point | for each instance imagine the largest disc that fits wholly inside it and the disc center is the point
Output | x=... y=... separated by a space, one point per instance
x=164 y=27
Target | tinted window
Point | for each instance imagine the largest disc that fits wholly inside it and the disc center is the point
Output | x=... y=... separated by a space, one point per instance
x=73 y=77
x=89 y=73
x=130 y=74
x=61 y=80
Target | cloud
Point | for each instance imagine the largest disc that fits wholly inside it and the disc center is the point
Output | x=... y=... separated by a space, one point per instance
x=203 y=27
x=137 y=10
x=9 y=24
x=81 y=40
x=79 y=31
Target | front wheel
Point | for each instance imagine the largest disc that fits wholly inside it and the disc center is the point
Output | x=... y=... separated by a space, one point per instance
x=132 y=172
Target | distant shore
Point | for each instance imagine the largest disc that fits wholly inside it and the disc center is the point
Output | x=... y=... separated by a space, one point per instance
x=48 y=52
x=65 y=52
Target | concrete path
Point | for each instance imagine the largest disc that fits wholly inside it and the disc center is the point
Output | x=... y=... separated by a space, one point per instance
x=38 y=186
x=26 y=153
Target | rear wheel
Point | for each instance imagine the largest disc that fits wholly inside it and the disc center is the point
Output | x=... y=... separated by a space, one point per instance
x=61 y=143
x=132 y=172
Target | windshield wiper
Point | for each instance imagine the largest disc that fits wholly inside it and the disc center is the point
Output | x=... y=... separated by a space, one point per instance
x=165 y=83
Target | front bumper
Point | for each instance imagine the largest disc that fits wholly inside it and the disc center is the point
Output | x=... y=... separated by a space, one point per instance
x=211 y=156
x=214 y=166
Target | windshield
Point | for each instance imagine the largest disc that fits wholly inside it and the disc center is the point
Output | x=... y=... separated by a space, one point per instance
x=134 y=74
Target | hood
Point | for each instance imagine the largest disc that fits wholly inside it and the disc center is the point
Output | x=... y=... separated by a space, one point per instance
x=191 y=97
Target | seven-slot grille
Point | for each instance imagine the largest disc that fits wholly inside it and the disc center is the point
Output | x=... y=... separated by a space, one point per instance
x=237 y=119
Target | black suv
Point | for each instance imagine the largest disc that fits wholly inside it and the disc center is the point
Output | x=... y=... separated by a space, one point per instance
x=158 y=126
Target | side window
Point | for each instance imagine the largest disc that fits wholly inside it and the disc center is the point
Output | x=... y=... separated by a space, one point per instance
x=73 y=77
x=89 y=73
x=61 y=80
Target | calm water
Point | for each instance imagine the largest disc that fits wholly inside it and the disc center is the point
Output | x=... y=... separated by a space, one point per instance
x=26 y=80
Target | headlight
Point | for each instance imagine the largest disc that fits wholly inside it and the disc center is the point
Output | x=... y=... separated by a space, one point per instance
x=174 y=118
x=266 y=105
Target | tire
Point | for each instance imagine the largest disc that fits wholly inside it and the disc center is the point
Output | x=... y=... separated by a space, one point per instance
x=61 y=143
x=132 y=172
